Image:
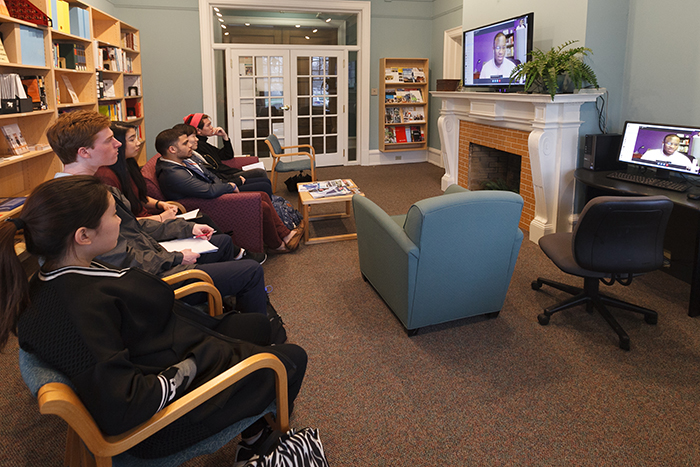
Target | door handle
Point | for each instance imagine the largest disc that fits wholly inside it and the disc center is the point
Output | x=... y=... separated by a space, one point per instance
x=286 y=107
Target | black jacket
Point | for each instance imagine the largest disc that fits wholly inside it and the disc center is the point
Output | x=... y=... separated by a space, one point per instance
x=177 y=181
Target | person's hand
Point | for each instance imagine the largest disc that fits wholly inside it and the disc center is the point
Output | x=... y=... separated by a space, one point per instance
x=202 y=231
x=189 y=256
x=242 y=180
x=218 y=131
x=169 y=211
x=235 y=188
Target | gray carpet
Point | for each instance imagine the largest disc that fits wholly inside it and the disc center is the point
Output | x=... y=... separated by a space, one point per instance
x=472 y=392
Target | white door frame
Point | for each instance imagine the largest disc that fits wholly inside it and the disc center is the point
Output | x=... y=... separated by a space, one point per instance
x=452 y=53
x=361 y=8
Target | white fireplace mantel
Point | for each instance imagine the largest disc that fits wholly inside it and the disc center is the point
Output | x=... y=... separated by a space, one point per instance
x=553 y=144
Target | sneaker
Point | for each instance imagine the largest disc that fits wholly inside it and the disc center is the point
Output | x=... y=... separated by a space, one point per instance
x=259 y=257
x=246 y=452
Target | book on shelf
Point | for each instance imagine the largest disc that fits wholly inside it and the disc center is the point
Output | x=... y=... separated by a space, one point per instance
x=400 y=132
x=413 y=114
x=407 y=96
x=8 y=204
x=392 y=115
x=390 y=96
x=133 y=110
x=35 y=88
x=109 y=88
x=417 y=134
x=74 y=56
x=71 y=92
x=389 y=135
x=132 y=85
x=62 y=15
x=113 y=111
x=79 y=23
x=407 y=75
x=419 y=75
x=392 y=75
x=3 y=53
x=100 y=84
x=129 y=41
x=32 y=40
x=15 y=140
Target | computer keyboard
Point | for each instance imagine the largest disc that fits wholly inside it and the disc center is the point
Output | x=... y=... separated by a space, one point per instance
x=650 y=181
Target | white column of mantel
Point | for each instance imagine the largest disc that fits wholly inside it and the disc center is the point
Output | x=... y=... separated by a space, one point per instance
x=553 y=144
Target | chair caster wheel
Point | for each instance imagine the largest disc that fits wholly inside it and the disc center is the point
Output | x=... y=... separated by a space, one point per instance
x=543 y=319
x=651 y=319
x=625 y=343
x=536 y=285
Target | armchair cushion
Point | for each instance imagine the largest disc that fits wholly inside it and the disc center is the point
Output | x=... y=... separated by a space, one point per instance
x=449 y=257
x=239 y=213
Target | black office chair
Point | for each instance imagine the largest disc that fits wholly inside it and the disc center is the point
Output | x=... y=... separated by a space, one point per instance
x=616 y=238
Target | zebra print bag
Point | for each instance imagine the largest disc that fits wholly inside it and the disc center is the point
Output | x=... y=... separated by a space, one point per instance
x=301 y=448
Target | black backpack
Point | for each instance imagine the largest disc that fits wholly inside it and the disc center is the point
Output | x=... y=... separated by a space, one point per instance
x=292 y=181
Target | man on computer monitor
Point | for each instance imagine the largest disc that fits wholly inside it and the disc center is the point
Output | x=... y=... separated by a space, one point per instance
x=669 y=154
x=499 y=65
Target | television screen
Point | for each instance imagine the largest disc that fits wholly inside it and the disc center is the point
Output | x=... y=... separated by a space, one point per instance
x=668 y=147
x=491 y=52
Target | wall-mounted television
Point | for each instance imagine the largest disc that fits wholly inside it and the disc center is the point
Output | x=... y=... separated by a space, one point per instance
x=666 y=147
x=492 y=51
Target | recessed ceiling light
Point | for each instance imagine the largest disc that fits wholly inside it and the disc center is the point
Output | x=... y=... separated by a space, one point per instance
x=216 y=9
x=223 y=26
x=247 y=24
x=328 y=20
x=297 y=25
x=315 y=31
x=307 y=37
x=220 y=19
x=219 y=14
x=226 y=33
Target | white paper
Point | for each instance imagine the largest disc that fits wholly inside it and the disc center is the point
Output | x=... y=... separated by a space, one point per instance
x=198 y=245
x=189 y=215
x=257 y=165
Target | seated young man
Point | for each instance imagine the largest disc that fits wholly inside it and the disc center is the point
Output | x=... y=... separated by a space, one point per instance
x=179 y=176
x=245 y=180
x=83 y=141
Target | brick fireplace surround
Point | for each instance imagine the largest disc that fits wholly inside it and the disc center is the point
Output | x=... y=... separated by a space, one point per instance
x=503 y=139
x=544 y=133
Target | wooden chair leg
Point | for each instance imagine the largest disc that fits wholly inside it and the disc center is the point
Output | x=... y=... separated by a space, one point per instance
x=73 y=449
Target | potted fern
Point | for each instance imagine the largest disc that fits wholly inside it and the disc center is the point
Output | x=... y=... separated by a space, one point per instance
x=555 y=71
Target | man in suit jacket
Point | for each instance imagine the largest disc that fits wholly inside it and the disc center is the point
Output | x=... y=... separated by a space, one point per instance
x=179 y=176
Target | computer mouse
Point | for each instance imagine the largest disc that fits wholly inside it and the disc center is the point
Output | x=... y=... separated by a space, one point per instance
x=694 y=196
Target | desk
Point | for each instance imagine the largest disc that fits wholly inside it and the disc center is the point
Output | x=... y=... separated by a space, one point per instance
x=598 y=184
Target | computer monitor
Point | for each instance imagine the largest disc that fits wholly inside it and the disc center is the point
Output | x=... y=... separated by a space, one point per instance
x=491 y=52
x=665 y=147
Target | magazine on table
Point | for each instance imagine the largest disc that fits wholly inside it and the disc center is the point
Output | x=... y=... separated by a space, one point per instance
x=328 y=188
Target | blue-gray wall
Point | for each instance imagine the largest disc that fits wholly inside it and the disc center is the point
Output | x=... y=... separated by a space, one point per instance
x=651 y=74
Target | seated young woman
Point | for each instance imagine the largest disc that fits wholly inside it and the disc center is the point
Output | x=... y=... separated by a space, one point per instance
x=120 y=336
x=125 y=174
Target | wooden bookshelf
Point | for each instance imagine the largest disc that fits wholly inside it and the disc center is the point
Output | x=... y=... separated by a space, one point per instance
x=20 y=174
x=403 y=104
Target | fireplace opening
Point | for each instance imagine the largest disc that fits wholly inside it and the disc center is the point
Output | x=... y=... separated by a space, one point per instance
x=493 y=169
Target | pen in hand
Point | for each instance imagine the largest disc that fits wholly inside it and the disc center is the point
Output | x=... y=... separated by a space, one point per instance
x=205 y=235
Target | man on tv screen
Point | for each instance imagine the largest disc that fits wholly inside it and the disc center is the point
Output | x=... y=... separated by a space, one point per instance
x=499 y=66
x=669 y=154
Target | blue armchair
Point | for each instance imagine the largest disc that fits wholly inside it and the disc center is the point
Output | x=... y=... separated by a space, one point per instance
x=450 y=257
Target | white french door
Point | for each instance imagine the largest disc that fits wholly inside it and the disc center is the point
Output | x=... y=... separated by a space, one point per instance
x=298 y=95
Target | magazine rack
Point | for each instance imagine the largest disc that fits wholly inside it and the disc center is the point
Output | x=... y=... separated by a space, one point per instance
x=403 y=104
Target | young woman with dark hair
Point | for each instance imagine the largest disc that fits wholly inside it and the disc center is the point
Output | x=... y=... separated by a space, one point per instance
x=126 y=344
x=125 y=174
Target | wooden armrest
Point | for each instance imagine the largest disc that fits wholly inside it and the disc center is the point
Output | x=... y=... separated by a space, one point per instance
x=59 y=399
x=293 y=154
x=187 y=275
x=216 y=305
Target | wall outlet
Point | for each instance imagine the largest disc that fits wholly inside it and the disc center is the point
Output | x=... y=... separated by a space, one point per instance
x=397 y=158
x=374 y=92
